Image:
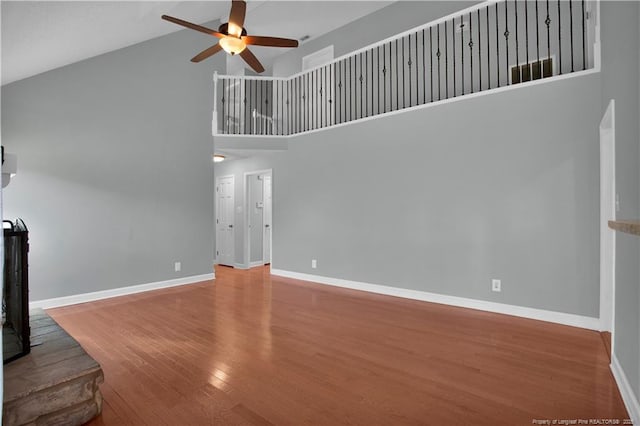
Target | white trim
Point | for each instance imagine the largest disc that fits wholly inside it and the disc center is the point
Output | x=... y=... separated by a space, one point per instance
x=256 y=263
x=240 y=266
x=430 y=105
x=628 y=395
x=115 y=292
x=500 y=308
x=608 y=212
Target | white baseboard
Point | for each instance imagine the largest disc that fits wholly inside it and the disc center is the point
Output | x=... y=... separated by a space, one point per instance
x=106 y=294
x=628 y=395
x=501 y=308
x=256 y=263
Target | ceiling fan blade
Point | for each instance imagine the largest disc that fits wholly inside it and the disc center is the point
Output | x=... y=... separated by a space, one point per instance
x=207 y=53
x=238 y=12
x=270 y=41
x=251 y=59
x=192 y=26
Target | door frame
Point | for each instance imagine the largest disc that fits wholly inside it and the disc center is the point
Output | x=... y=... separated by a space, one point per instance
x=247 y=233
x=608 y=210
x=267 y=260
x=217 y=210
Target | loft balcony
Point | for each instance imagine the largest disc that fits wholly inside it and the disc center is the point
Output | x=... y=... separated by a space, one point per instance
x=494 y=46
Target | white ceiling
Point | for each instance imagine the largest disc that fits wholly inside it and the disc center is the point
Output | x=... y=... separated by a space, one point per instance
x=38 y=36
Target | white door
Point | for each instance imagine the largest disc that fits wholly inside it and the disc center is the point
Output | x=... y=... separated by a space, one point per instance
x=267 y=219
x=607 y=213
x=224 y=220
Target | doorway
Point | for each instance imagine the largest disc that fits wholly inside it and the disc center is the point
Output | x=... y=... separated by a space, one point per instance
x=258 y=208
x=608 y=210
x=225 y=235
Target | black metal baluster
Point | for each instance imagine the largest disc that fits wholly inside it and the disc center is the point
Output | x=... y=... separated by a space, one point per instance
x=259 y=104
x=559 y=41
x=446 y=62
x=453 y=43
x=515 y=6
x=497 y=46
x=438 y=54
x=265 y=87
x=479 y=55
x=424 y=70
x=431 y=59
x=236 y=106
x=361 y=85
x=309 y=99
x=546 y=70
x=378 y=76
x=506 y=37
x=571 y=31
x=224 y=113
x=345 y=81
x=372 y=91
x=416 y=63
x=409 y=63
x=526 y=32
x=462 y=51
x=339 y=93
x=584 y=47
x=318 y=95
x=250 y=92
x=352 y=103
x=397 y=78
x=538 y=70
x=331 y=95
x=243 y=110
x=403 y=86
x=324 y=99
x=470 y=44
x=384 y=74
x=488 y=56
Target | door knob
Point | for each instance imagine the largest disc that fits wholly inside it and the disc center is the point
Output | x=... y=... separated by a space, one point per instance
x=230 y=226
x=266 y=226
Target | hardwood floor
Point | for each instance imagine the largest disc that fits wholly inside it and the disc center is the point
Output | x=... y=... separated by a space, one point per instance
x=251 y=349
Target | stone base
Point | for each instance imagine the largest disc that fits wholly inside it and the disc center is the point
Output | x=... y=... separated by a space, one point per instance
x=57 y=383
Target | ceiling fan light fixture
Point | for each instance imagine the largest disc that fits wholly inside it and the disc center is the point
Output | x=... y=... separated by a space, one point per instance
x=234 y=30
x=232 y=45
x=218 y=158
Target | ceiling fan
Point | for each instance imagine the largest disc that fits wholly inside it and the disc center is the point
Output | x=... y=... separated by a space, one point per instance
x=233 y=37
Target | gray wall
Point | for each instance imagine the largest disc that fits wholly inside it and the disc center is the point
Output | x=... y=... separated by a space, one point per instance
x=386 y=22
x=115 y=172
x=446 y=198
x=620 y=75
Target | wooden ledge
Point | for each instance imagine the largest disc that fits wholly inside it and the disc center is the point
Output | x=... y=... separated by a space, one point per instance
x=628 y=226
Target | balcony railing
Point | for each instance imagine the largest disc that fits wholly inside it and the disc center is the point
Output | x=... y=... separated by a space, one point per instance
x=489 y=46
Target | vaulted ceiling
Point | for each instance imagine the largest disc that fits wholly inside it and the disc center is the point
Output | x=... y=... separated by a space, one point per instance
x=38 y=36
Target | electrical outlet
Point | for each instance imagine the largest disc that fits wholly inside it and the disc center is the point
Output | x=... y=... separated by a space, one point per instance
x=314 y=263
x=178 y=266
x=496 y=285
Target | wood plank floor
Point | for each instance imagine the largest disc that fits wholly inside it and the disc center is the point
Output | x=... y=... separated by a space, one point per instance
x=251 y=349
